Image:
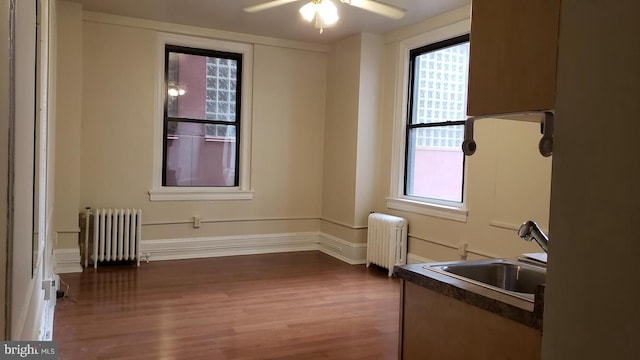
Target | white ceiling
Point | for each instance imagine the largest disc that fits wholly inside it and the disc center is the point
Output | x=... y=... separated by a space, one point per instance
x=281 y=22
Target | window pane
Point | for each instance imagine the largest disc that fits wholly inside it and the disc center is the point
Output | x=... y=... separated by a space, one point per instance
x=220 y=131
x=195 y=159
x=440 y=85
x=435 y=163
x=201 y=87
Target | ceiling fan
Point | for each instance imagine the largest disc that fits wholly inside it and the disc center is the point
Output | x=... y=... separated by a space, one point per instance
x=326 y=13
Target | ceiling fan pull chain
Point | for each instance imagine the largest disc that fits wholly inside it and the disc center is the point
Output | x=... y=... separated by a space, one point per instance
x=319 y=23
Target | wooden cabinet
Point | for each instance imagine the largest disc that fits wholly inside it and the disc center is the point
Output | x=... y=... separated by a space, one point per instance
x=435 y=326
x=512 y=66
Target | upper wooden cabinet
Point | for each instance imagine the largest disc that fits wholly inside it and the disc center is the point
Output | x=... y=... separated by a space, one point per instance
x=514 y=47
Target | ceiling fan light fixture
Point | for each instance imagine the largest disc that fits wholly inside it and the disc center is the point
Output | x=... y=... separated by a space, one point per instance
x=324 y=11
x=328 y=11
x=308 y=11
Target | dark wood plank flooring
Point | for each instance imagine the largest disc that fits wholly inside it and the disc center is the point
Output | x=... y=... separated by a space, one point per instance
x=303 y=305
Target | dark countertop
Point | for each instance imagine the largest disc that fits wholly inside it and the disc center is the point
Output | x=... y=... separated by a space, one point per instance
x=523 y=311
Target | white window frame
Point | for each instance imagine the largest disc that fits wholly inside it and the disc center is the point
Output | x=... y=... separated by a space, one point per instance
x=243 y=191
x=397 y=200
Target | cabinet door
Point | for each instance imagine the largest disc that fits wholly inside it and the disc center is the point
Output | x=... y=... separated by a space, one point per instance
x=514 y=46
x=435 y=326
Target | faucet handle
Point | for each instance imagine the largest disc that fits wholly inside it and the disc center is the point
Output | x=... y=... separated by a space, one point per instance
x=524 y=232
x=531 y=231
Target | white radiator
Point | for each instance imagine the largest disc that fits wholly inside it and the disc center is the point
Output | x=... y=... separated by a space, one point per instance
x=116 y=235
x=386 y=241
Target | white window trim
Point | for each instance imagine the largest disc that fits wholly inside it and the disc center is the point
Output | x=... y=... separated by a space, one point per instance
x=431 y=208
x=397 y=200
x=171 y=193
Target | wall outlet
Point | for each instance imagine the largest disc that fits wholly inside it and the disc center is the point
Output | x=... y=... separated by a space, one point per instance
x=197 y=221
x=462 y=249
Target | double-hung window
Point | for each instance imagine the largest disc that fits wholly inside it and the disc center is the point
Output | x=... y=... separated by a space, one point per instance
x=437 y=103
x=427 y=167
x=201 y=118
x=202 y=148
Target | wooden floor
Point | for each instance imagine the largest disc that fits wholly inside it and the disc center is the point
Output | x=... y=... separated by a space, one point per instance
x=304 y=305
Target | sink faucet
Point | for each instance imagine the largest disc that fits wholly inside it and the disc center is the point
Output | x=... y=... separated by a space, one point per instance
x=531 y=231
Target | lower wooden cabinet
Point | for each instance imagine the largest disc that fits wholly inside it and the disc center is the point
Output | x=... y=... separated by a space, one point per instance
x=435 y=326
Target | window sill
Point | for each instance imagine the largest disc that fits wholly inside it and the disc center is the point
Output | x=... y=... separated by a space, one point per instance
x=199 y=194
x=429 y=209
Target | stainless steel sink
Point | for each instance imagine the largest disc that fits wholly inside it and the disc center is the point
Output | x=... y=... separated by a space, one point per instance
x=512 y=277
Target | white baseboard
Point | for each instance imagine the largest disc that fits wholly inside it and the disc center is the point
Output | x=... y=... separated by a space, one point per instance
x=191 y=248
x=417 y=259
x=348 y=252
x=67 y=261
x=45 y=332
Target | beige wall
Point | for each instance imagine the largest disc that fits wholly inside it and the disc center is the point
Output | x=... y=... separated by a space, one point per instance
x=368 y=136
x=341 y=131
x=117 y=116
x=68 y=123
x=116 y=137
x=288 y=127
x=507 y=180
x=591 y=305
x=351 y=136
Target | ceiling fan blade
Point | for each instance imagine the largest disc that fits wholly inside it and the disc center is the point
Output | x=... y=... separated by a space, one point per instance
x=267 y=5
x=377 y=7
